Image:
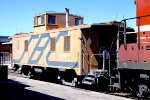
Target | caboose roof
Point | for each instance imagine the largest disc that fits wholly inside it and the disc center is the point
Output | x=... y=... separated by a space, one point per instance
x=103 y=25
x=55 y=13
x=95 y=26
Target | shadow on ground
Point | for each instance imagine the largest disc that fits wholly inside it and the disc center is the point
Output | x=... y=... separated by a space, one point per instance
x=13 y=90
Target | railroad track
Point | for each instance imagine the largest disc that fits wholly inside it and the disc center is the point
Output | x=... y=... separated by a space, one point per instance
x=126 y=95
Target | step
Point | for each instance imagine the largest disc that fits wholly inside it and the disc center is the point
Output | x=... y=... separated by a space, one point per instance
x=91 y=75
x=89 y=78
x=101 y=72
x=113 y=77
x=88 y=81
x=116 y=85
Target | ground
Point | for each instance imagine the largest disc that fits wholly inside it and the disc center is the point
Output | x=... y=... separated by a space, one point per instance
x=19 y=88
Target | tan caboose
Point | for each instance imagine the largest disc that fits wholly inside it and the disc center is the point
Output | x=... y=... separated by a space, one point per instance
x=61 y=47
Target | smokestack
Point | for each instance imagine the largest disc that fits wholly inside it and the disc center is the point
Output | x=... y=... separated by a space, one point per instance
x=67 y=17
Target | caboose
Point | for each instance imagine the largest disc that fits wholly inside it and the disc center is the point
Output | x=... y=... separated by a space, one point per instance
x=62 y=47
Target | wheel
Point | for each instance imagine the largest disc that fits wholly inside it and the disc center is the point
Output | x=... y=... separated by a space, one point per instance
x=74 y=82
x=30 y=75
x=143 y=91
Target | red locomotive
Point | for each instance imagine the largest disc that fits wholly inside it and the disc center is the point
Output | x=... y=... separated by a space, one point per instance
x=133 y=54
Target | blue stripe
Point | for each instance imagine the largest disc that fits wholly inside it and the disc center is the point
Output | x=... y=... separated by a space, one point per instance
x=63 y=33
x=58 y=63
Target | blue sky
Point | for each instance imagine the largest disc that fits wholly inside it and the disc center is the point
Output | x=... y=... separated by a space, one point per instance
x=17 y=15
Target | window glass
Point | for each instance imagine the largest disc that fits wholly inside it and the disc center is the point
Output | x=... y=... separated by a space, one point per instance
x=26 y=45
x=67 y=43
x=42 y=19
x=78 y=21
x=51 y=19
x=35 y=21
x=52 y=44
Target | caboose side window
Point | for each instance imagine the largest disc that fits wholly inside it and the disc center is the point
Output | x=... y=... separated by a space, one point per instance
x=78 y=21
x=26 y=45
x=52 y=44
x=42 y=19
x=35 y=21
x=51 y=19
x=66 y=43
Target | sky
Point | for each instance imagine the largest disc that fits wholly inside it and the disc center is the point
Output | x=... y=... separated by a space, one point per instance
x=17 y=15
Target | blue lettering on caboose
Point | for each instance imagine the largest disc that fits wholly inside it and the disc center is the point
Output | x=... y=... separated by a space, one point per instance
x=41 y=50
x=38 y=48
x=59 y=63
x=22 y=55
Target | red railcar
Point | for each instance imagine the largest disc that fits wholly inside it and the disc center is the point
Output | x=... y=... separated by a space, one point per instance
x=133 y=57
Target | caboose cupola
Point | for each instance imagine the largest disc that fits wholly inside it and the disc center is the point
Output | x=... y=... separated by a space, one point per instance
x=54 y=20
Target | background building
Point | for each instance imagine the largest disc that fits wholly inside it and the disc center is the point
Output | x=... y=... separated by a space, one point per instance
x=5 y=50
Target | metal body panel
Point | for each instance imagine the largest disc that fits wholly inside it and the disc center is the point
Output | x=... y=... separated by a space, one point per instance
x=131 y=54
x=134 y=65
x=142 y=9
x=129 y=57
x=137 y=55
